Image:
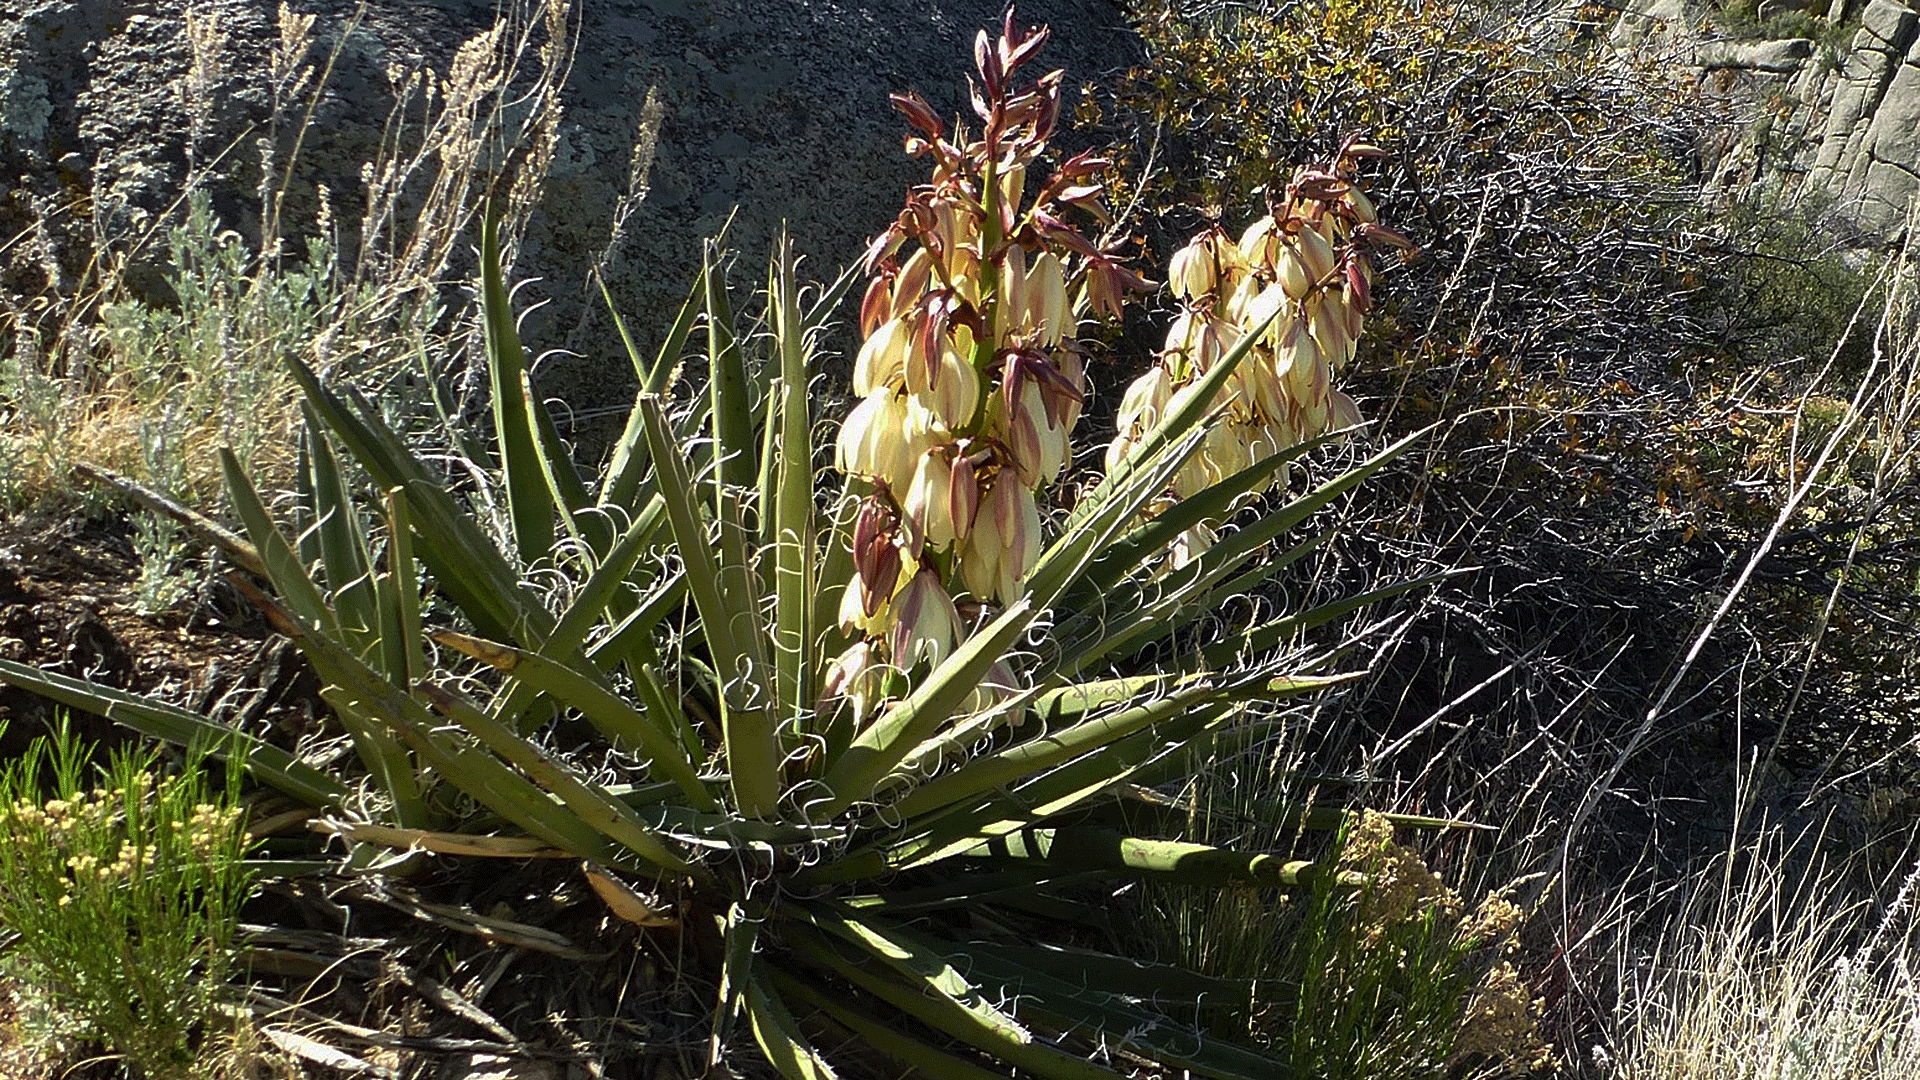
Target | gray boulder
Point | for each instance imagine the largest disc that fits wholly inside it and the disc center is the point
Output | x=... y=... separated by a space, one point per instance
x=776 y=107
x=1841 y=130
x=1778 y=57
x=1869 y=154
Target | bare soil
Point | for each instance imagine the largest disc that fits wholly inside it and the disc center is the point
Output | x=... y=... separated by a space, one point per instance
x=68 y=603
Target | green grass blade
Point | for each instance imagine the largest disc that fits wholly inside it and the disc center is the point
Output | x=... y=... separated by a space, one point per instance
x=739 y=938
x=1012 y=1044
x=1182 y=862
x=919 y=966
x=721 y=582
x=1081 y=1002
x=592 y=604
x=749 y=723
x=625 y=483
x=1124 y=568
x=795 y=577
x=386 y=758
x=825 y=305
x=588 y=801
x=306 y=540
x=918 y=1058
x=628 y=728
x=399 y=588
x=284 y=568
x=1153 y=607
x=1074 y=702
x=530 y=504
x=778 y=1034
x=1002 y=768
x=343 y=544
x=267 y=763
x=1151 y=610
x=468 y=568
x=1088 y=534
x=657 y=376
x=564 y=485
x=472 y=770
x=960 y=828
x=465 y=563
x=1214 y=503
x=1175 y=437
x=614 y=647
x=377 y=448
x=730 y=411
x=382 y=754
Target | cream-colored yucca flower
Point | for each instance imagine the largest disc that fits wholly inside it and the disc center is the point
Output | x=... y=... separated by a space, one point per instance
x=1191 y=275
x=1045 y=309
x=883 y=358
x=1005 y=542
x=1305 y=272
x=926 y=625
x=929 y=502
x=970 y=377
x=949 y=387
x=856 y=677
x=871 y=438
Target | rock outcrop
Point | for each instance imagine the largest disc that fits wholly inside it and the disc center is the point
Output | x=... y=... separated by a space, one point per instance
x=776 y=107
x=1868 y=150
x=1834 y=124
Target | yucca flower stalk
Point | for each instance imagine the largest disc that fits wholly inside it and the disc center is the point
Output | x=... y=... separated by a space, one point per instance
x=970 y=378
x=832 y=872
x=1300 y=280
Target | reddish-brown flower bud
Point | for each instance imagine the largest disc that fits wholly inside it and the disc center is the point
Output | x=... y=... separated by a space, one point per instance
x=876 y=307
x=986 y=60
x=1359 y=289
x=1380 y=235
x=919 y=114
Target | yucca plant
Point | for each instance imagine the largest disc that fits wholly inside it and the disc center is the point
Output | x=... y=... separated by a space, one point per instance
x=863 y=864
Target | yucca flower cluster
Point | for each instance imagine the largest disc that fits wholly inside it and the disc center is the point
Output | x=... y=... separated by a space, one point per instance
x=1305 y=273
x=970 y=379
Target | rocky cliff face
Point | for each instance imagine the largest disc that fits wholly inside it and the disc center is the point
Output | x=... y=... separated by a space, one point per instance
x=1867 y=151
x=1833 y=121
x=777 y=107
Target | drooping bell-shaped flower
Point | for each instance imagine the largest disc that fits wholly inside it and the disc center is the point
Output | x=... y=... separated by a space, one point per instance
x=1327 y=323
x=929 y=501
x=1038 y=445
x=855 y=676
x=1191 y=273
x=1259 y=247
x=1145 y=401
x=1343 y=412
x=1048 y=311
x=873 y=441
x=1315 y=252
x=1017 y=529
x=882 y=360
x=951 y=392
x=926 y=625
